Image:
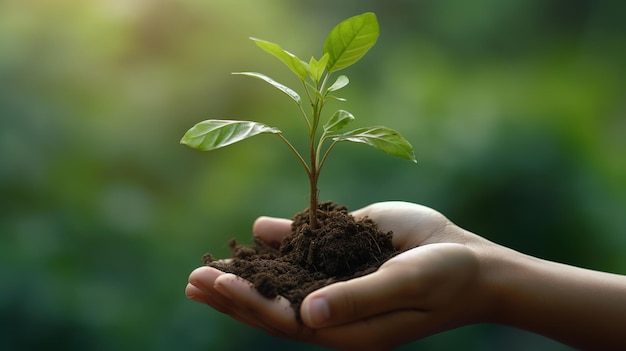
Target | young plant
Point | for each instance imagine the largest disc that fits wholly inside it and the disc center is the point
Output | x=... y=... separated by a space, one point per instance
x=345 y=45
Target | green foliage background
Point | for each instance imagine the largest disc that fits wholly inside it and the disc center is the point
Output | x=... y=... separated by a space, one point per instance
x=516 y=110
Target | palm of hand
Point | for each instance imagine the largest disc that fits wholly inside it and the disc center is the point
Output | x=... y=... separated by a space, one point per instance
x=421 y=291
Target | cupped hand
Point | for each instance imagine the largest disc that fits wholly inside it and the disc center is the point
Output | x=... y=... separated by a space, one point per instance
x=435 y=284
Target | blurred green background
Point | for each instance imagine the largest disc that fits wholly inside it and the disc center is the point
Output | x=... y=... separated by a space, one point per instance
x=516 y=110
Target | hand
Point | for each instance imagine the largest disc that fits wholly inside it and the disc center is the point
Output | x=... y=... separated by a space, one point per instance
x=435 y=284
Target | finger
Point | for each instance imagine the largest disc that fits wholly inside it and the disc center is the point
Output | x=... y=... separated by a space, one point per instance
x=193 y=293
x=232 y=306
x=201 y=286
x=275 y=316
x=204 y=278
x=214 y=300
x=271 y=230
x=357 y=298
x=424 y=278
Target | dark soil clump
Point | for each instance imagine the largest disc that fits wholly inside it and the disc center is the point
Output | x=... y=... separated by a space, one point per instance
x=341 y=248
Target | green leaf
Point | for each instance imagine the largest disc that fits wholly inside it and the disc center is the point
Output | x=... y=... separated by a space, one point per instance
x=339 y=120
x=381 y=138
x=290 y=60
x=336 y=98
x=350 y=40
x=213 y=133
x=341 y=82
x=290 y=92
x=317 y=68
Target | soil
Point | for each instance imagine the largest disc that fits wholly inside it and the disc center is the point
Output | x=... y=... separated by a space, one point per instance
x=341 y=248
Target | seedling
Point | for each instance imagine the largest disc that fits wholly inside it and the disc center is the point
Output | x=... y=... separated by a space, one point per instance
x=346 y=44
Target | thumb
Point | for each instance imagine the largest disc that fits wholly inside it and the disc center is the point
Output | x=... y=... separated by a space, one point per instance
x=355 y=299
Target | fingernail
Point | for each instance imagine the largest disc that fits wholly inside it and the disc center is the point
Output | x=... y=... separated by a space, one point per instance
x=316 y=312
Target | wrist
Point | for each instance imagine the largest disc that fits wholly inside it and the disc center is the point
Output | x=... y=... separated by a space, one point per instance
x=488 y=297
x=496 y=266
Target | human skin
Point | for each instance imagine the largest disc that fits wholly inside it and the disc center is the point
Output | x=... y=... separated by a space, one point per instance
x=445 y=277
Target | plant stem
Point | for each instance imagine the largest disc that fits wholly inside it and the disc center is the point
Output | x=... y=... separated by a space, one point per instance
x=319 y=167
x=313 y=174
x=315 y=166
x=313 y=200
x=302 y=161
